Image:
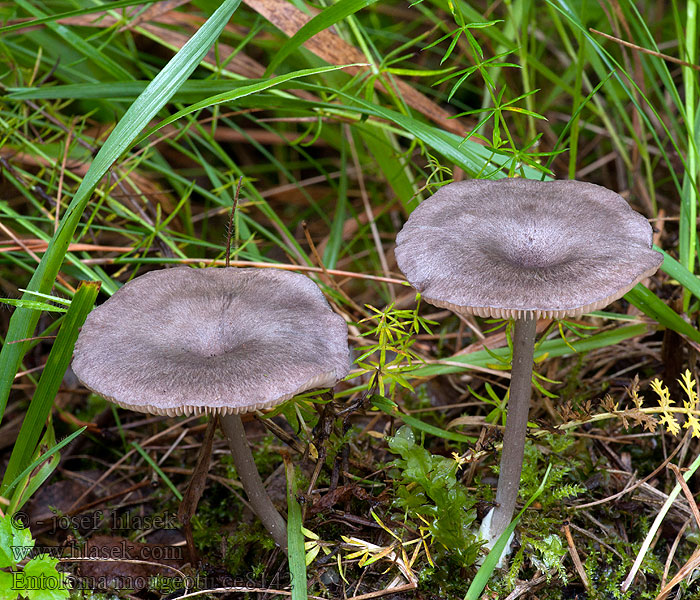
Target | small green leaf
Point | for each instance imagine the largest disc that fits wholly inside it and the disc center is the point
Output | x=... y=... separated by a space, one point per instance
x=312 y=553
x=384 y=405
x=8 y=587
x=428 y=487
x=43 y=569
x=15 y=542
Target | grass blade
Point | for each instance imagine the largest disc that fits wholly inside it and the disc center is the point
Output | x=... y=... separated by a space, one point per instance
x=75 y=13
x=484 y=573
x=295 y=537
x=652 y=306
x=689 y=193
x=241 y=92
x=473 y=157
x=45 y=456
x=389 y=408
x=33 y=479
x=656 y=525
x=157 y=470
x=329 y=17
x=551 y=348
x=50 y=380
x=680 y=273
x=86 y=49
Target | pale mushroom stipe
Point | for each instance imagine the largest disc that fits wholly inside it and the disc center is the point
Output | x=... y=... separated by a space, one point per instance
x=523 y=249
x=226 y=341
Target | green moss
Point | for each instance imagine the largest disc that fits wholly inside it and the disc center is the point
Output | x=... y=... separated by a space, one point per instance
x=223 y=537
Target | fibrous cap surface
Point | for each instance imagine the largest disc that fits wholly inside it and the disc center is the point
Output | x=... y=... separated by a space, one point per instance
x=516 y=246
x=181 y=341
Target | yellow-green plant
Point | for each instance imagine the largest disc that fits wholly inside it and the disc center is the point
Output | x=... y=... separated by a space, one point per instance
x=689 y=405
x=664 y=415
x=387 y=358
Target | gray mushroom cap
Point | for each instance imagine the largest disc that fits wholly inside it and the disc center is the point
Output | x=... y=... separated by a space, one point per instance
x=505 y=248
x=182 y=340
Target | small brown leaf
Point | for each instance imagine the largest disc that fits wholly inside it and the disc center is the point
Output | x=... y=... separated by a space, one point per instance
x=335 y=51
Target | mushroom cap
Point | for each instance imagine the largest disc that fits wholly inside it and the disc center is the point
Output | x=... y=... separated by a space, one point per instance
x=182 y=340
x=516 y=246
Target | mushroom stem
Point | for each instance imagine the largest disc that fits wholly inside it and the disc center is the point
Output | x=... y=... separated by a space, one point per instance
x=250 y=478
x=524 y=333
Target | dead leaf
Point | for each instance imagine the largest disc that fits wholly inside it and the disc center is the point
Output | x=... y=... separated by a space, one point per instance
x=331 y=48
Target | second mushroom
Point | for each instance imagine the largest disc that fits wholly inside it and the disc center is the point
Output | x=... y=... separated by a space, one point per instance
x=219 y=341
x=522 y=250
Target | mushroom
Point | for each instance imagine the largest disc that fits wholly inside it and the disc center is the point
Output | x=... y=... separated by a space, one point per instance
x=219 y=341
x=522 y=249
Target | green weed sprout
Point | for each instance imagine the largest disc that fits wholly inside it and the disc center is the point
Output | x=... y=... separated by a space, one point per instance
x=496 y=110
x=38 y=579
x=391 y=354
x=429 y=492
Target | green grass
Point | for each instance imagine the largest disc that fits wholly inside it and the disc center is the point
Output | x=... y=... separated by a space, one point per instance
x=122 y=143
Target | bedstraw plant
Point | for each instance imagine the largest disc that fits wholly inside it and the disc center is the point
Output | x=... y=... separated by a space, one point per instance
x=388 y=353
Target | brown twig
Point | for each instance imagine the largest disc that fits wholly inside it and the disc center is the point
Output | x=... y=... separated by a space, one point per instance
x=686 y=492
x=672 y=552
x=683 y=572
x=367 y=205
x=264 y=265
x=672 y=59
x=573 y=552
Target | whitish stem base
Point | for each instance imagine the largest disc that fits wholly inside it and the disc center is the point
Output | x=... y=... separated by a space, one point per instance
x=485 y=534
